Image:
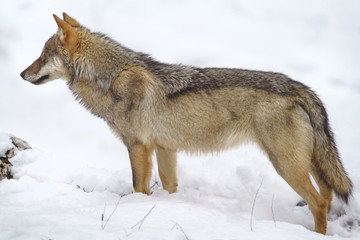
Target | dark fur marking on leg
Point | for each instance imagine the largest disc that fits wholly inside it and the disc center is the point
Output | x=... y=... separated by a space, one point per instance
x=233 y=115
x=133 y=177
x=115 y=96
x=129 y=108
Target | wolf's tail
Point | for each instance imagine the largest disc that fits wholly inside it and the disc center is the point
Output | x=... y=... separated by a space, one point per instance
x=325 y=155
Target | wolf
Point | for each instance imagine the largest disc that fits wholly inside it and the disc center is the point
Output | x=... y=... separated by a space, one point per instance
x=154 y=106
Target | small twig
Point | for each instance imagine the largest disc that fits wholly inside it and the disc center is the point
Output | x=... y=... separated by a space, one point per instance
x=272 y=209
x=253 y=206
x=103 y=225
x=140 y=223
x=102 y=218
x=156 y=183
x=84 y=189
x=178 y=227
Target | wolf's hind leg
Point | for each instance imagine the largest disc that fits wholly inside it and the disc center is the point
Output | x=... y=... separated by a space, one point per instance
x=300 y=181
x=325 y=191
x=294 y=168
x=167 y=164
x=141 y=165
x=287 y=138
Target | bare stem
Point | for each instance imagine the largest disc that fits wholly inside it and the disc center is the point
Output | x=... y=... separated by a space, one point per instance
x=178 y=227
x=272 y=209
x=253 y=205
x=140 y=223
x=156 y=184
x=103 y=225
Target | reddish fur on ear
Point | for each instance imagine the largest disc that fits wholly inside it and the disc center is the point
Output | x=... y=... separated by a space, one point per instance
x=68 y=37
x=70 y=20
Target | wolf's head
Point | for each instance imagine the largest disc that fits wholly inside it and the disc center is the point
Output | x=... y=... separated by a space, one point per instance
x=54 y=60
x=75 y=53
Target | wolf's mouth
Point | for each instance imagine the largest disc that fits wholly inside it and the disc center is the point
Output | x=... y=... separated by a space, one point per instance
x=41 y=80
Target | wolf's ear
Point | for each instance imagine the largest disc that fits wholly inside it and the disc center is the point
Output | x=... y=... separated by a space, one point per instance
x=70 y=20
x=69 y=38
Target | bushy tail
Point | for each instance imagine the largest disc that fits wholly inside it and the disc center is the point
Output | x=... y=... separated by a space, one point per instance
x=325 y=156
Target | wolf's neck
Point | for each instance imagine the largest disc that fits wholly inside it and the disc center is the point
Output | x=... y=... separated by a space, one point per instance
x=97 y=102
x=100 y=60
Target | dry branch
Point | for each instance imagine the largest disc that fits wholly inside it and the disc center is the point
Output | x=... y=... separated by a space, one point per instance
x=140 y=223
x=103 y=224
x=178 y=227
x=253 y=205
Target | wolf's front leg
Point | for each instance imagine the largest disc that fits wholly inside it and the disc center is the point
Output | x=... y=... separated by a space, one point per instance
x=167 y=164
x=141 y=165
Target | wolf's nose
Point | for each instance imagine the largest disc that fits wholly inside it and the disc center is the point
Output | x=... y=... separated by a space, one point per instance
x=22 y=74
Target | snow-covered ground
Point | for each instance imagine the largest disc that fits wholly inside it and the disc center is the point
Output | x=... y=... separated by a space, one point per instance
x=77 y=170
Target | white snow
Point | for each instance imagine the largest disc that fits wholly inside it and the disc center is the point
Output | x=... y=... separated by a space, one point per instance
x=77 y=170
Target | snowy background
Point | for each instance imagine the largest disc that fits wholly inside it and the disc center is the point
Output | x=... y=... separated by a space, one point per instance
x=77 y=170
